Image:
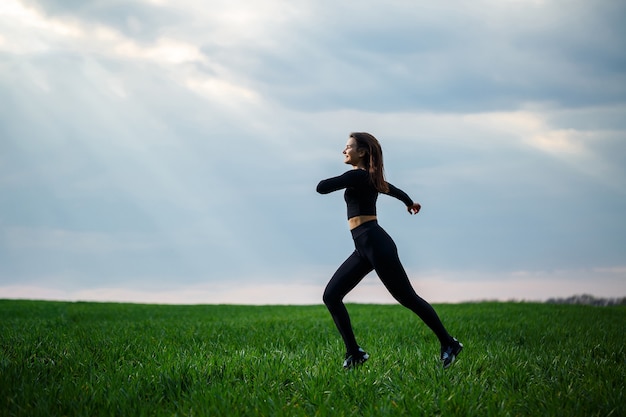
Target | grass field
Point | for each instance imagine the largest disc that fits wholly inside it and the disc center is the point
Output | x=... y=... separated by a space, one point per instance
x=92 y=359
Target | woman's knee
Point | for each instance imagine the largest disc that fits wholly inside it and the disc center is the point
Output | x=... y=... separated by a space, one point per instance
x=405 y=295
x=415 y=303
x=332 y=296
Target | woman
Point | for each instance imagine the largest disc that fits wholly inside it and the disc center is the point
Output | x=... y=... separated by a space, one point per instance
x=375 y=250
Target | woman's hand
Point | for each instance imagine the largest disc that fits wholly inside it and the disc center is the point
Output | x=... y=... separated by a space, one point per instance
x=414 y=209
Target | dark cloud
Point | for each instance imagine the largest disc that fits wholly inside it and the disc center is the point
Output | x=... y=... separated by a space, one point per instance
x=393 y=56
x=448 y=60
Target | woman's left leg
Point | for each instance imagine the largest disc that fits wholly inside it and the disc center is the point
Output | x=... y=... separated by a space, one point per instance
x=349 y=274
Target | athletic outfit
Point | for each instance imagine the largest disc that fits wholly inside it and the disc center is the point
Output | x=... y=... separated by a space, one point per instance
x=375 y=250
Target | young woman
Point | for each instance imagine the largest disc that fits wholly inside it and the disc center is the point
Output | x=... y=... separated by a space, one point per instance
x=375 y=250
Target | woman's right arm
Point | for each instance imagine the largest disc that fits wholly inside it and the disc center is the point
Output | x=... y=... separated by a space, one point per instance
x=347 y=179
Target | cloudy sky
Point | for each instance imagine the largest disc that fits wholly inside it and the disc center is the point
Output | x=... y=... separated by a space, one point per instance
x=168 y=151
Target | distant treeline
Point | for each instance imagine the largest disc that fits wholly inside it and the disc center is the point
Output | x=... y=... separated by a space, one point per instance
x=587 y=299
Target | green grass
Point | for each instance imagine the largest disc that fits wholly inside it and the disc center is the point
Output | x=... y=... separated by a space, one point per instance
x=91 y=359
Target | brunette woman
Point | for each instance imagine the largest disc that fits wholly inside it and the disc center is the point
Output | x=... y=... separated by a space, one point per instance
x=375 y=250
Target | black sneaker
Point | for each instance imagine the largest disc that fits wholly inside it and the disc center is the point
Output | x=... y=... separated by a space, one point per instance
x=355 y=359
x=450 y=352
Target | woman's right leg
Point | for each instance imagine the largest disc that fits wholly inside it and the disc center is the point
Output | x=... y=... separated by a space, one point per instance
x=349 y=274
x=382 y=252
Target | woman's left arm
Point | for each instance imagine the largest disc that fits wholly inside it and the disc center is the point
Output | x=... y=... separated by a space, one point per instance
x=411 y=206
x=414 y=208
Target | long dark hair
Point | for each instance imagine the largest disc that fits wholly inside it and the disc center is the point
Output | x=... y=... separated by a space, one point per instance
x=373 y=159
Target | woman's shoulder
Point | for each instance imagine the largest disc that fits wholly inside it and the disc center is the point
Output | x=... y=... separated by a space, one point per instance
x=357 y=178
x=356 y=173
x=351 y=178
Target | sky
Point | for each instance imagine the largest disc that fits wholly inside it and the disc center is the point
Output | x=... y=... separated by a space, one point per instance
x=168 y=151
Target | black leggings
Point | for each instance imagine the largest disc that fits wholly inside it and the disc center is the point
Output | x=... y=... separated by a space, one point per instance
x=375 y=250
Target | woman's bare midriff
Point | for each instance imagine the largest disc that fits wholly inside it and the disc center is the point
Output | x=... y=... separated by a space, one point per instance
x=356 y=221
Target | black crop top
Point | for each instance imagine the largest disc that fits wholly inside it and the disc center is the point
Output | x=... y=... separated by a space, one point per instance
x=360 y=194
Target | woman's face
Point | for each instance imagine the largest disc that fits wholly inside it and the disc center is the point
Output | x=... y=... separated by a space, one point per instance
x=352 y=155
